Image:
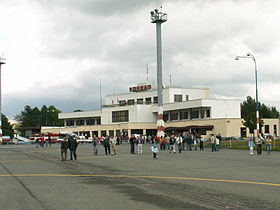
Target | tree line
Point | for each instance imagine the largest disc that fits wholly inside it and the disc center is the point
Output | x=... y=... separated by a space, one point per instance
x=248 y=113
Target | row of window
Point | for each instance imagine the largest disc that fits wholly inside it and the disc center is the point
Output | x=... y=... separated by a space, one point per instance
x=148 y=100
x=79 y=122
x=186 y=114
x=138 y=101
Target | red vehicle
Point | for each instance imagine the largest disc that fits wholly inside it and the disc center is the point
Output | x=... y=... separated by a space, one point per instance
x=7 y=140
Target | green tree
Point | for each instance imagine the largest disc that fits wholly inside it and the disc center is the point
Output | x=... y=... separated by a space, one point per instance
x=7 y=128
x=34 y=117
x=248 y=113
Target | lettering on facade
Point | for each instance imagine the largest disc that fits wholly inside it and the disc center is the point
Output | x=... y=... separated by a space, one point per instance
x=140 y=88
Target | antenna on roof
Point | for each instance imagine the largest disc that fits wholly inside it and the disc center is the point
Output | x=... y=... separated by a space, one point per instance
x=147 y=69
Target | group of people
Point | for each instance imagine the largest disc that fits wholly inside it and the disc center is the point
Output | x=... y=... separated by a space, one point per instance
x=259 y=141
x=68 y=142
x=172 y=143
x=42 y=142
x=185 y=141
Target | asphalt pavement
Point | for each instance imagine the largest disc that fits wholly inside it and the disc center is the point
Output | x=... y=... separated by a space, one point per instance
x=36 y=178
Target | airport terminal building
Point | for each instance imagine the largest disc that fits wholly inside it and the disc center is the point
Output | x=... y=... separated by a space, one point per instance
x=185 y=109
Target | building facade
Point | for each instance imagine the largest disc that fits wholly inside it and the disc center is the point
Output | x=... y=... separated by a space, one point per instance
x=185 y=109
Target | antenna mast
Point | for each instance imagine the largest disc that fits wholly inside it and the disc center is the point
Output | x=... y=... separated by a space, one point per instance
x=147 y=69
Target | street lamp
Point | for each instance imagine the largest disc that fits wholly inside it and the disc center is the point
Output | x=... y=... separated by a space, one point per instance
x=2 y=61
x=251 y=56
x=47 y=115
x=159 y=17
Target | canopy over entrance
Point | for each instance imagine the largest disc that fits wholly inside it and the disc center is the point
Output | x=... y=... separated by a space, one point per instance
x=199 y=129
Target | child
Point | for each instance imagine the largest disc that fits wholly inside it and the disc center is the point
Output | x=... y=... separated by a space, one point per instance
x=251 y=146
x=154 y=150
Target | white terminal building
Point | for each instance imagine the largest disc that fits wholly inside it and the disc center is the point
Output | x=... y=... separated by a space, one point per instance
x=184 y=109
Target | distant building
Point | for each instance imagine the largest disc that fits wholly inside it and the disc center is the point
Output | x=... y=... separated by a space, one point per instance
x=185 y=109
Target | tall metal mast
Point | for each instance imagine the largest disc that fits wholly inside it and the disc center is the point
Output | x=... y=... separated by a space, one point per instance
x=158 y=18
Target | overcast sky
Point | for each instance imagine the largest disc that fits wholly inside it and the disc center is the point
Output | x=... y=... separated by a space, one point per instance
x=57 y=50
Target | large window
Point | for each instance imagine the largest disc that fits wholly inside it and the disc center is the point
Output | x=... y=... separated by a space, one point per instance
x=120 y=116
x=178 y=98
x=266 y=128
x=80 y=122
x=195 y=114
x=69 y=122
x=90 y=122
x=208 y=113
x=202 y=114
x=148 y=100
x=130 y=102
x=103 y=133
x=111 y=133
x=122 y=102
x=140 y=101
x=165 y=117
x=155 y=99
x=98 y=121
x=187 y=97
x=174 y=116
x=185 y=115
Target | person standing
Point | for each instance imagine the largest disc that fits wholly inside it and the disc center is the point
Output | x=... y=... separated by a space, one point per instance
x=268 y=144
x=189 y=141
x=220 y=139
x=113 y=142
x=106 y=144
x=201 y=148
x=140 y=141
x=179 y=142
x=251 y=146
x=195 y=143
x=64 y=147
x=132 y=142
x=154 y=150
x=217 y=144
x=73 y=144
x=50 y=140
x=172 y=144
x=259 y=142
x=213 y=142
x=167 y=138
x=37 y=142
x=94 y=144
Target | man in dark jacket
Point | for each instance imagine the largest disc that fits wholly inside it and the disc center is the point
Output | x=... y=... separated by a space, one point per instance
x=106 y=145
x=64 y=147
x=132 y=142
x=73 y=144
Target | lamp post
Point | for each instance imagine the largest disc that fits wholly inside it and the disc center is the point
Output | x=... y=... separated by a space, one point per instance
x=2 y=61
x=47 y=115
x=251 y=56
x=158 y=17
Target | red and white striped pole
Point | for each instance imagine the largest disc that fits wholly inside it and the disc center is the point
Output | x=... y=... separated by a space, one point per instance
x=158 y=17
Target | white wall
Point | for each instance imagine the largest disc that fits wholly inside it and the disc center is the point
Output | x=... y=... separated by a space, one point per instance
x=67 y=115
x=192 y=93
x=137 y=113
x=223 y=108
